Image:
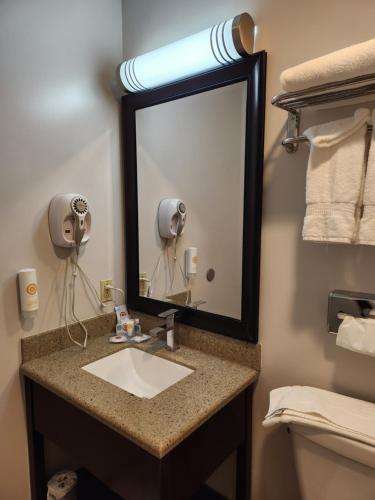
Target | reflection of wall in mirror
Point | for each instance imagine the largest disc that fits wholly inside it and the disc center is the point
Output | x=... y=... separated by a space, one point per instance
x=193 y=149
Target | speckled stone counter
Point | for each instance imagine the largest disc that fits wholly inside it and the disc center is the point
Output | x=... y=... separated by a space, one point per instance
x=158 y=424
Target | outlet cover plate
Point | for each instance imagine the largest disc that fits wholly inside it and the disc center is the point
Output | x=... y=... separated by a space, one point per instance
x=105 y=294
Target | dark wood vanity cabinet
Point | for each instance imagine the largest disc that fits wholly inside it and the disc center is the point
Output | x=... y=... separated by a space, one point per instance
x=127 y=469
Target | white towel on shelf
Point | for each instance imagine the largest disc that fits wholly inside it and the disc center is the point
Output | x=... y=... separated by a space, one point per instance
x=335 y=179
x=322 y=409
x=349 y=62
x=367 y=224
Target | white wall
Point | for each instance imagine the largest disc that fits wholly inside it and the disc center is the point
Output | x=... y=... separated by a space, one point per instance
x=58 y=133
x=295 y=276
x=193 y=149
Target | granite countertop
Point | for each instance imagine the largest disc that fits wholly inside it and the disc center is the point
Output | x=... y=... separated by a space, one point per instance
x=158 y=424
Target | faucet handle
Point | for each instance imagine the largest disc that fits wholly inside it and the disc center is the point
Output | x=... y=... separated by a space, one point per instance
x=168 y=313
x=197 y=303
x=155 y=331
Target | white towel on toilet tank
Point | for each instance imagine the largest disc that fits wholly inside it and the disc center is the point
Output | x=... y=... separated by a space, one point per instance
x=335 y=178
x=367 y=224
x=357 y=334
x=324 y=410
x=346 y=63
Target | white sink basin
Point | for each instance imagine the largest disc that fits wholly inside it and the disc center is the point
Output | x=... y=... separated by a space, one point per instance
x=138 y=372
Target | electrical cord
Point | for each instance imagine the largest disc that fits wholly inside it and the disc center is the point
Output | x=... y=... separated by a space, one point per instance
x=173 y=273
x=93 y=289
x=91 y=286
x=168 y=289
x=84 y=277
x=175 y=260
x=110 y=287
x=184 y=277
x=156 y=271
x=74 y=266
x=170 y=272
x=74 y=276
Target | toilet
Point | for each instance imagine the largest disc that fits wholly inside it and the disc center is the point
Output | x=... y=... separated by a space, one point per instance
x=332 y=467
x=333 y=438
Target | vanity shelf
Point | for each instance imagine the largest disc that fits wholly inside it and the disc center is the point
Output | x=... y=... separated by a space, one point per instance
x=293 y=102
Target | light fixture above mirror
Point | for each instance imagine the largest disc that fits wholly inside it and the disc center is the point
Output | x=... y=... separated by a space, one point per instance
x=220 y=45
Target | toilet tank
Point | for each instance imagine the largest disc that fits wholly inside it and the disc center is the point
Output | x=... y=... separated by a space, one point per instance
x=332 y=467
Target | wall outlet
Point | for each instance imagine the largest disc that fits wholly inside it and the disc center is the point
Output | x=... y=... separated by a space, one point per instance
x=106 y=294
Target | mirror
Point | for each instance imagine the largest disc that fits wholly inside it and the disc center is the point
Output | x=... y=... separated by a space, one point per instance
x=193 y=178
x=193 y=150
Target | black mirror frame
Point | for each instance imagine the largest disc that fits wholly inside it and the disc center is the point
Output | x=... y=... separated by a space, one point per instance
x=253 y=71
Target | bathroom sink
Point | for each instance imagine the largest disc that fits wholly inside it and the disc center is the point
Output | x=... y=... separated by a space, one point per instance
x=138 y=372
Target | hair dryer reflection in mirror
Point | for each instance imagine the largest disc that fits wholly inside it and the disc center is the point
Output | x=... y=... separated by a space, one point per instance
x=171 y=219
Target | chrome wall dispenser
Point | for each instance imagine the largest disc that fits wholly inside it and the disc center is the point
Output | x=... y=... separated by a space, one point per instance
x=342 y=303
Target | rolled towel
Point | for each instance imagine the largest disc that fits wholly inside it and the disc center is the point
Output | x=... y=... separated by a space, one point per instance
x=346 y=63
x=367 y=224
x=334 y=179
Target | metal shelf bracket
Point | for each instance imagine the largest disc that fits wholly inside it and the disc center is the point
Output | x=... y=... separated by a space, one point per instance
x=293 y=102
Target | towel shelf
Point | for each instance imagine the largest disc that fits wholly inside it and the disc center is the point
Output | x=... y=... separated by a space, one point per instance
x=293 y=102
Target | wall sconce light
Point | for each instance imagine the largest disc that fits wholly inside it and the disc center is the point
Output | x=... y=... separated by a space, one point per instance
x=222 y=44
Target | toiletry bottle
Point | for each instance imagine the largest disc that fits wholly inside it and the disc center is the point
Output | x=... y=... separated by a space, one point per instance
x=137 y=327
x=129 y=327
x=120 y=330
x=143 y=284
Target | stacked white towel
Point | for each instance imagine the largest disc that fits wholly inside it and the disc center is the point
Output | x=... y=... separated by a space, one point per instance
x=346 y=63
x=322 y=409
x=335 y=176
x=367 y=224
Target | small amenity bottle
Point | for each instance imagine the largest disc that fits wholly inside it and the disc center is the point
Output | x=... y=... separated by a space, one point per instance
x=137 y=327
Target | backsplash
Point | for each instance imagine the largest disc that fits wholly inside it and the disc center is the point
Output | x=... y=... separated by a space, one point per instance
x=50 y=341
x=57 y=339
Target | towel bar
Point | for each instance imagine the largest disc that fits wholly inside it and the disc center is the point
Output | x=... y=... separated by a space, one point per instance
x=292 y=141
x=293 y=102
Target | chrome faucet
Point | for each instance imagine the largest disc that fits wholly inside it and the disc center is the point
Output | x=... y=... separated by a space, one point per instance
x=168 y=328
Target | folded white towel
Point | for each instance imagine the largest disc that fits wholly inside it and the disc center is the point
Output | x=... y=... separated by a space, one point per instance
x=334 y=179
x=346 y=63
x=322 y=409
x=367 y=224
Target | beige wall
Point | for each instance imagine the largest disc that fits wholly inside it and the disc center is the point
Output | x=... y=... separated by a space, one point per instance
x=295 y=276
x=58 y=133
